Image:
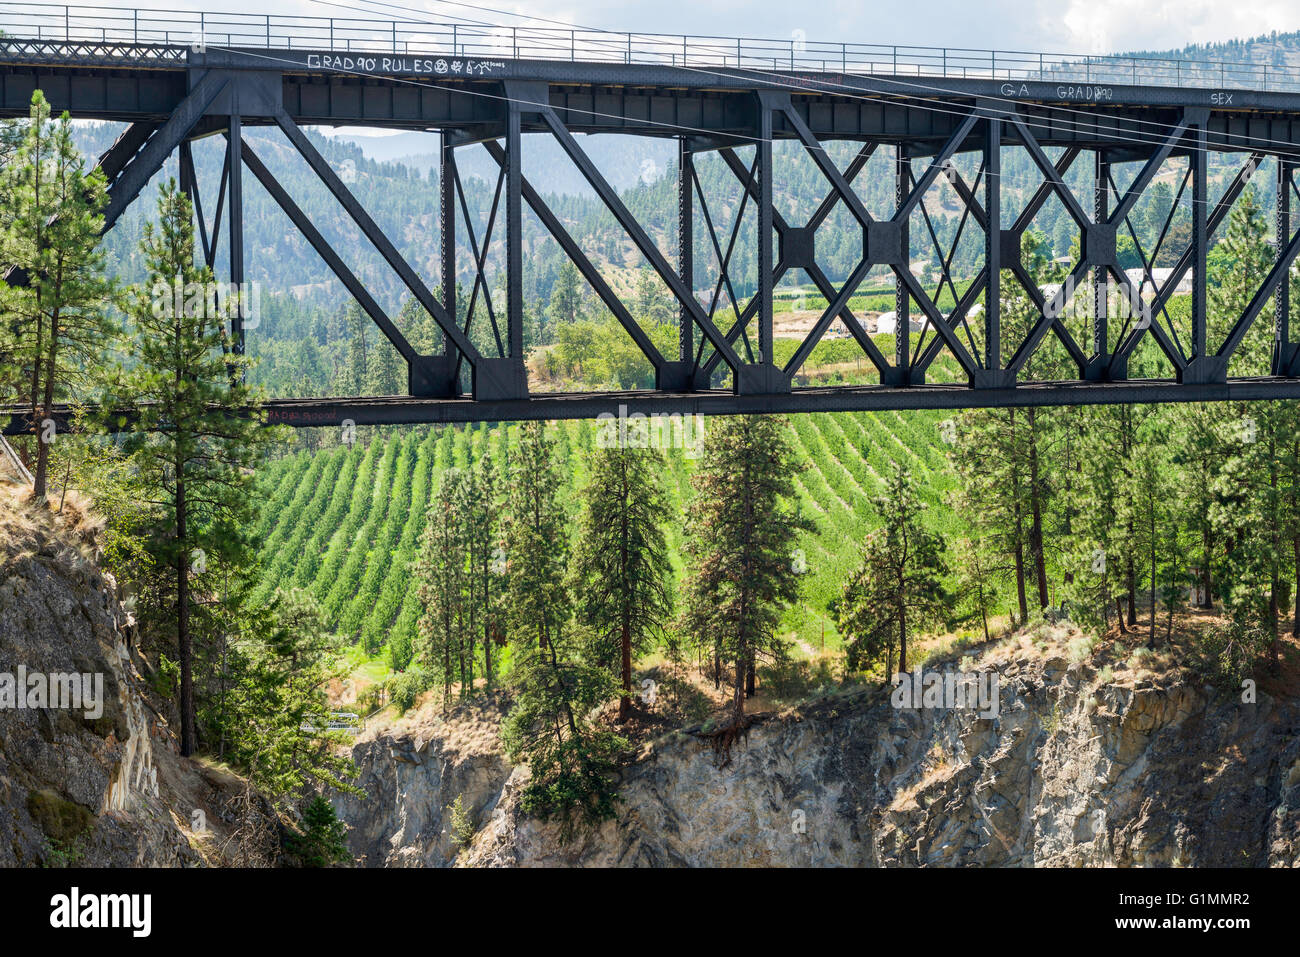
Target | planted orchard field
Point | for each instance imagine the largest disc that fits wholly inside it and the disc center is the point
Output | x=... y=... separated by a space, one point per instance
x=345 y=523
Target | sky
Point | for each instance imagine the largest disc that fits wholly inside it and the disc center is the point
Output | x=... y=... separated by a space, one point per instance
x=1054 y=26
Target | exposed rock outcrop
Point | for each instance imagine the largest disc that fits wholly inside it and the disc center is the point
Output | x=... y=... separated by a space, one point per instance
x=73 y=785
x=412 y=774
x=1070 y=772
x=93 y=786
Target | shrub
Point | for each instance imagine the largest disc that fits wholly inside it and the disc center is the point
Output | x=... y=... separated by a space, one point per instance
x=406 y=687
x=462 y=825
x=321 y=837
x=165 y=679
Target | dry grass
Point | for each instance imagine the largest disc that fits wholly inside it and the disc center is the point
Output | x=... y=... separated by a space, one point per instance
x=27 y=528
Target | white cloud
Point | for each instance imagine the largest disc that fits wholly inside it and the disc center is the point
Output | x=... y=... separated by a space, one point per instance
x=1109 y=26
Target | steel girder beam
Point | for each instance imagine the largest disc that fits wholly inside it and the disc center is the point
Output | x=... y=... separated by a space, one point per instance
x=585 y=267
x=763 y=168
x=447 y=227
x=427 y=376
x=1213 y=219
x=234 y=145
x=1276 y=277
x=331 y=412
x=111 y=162
x=992 y=370
x=479 y=253
x=901 y=372
x=1100 y=358
x=150 y=157
x=814 y=271
x=514 y=243
x=1286 y=354
x=493 y=378
x=685 y=248
x=642 y=240
x=114 y=159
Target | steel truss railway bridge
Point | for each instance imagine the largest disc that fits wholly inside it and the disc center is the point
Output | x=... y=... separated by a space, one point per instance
x=174 y=77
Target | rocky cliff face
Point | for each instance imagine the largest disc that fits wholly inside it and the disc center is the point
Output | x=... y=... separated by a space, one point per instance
x=73 y=786
x=79 y=787
x=1074 y=770
x=412 y=775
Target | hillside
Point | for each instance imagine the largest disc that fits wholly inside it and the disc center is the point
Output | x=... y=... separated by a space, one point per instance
x=345 y=522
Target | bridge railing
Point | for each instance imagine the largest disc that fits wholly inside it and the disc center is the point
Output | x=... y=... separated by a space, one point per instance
x=145 y=28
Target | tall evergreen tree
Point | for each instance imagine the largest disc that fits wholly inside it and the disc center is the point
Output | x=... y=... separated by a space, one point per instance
x=622 y=579
x=199 y=432
x=899 y=583
x=277 y=717
x=740 y=529
x=440 y=575
x=571 y=758
x=55 y=329
x=537 y=546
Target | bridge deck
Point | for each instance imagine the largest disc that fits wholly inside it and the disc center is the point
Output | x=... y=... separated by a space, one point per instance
x=176 y=76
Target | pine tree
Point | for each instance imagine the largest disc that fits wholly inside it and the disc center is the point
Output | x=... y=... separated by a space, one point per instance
x=322 y=837
x=277 y=716
x=740 y=527
x=199 y=431
x=899 y=584
x=987 y=452
x=566 y=295
x=484 y=558
x=537 y=547
x=622 y=579
x=1252 y=517
x=441 y=580
x=55 y=330
x=571 y=758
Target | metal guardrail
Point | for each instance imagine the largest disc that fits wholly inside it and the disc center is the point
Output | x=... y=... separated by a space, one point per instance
x=54 y=23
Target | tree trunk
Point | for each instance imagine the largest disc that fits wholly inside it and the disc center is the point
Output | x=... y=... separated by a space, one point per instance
x=625 y=702
x=189 y=737
x=1207 y=599
x=1130 y=580
x=1151 y=636
x=39 y=476
x=902 y=637
x=1020 y=584
x=738 y=689
x=1036 y=517
x=984 y=612
x=1295 y=554
x=751 y=684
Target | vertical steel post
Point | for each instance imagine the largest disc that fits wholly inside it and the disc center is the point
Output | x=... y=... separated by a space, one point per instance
x=902 y=327
x=447 y=229
x=514 y=238
x=1282 y=348
x=236 y=200
x=765 y=227
x=1100 y=276
x=993 y=246
x=685 y=246
x=1200 y=239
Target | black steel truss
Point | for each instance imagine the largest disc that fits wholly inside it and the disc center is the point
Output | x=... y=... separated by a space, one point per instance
x=719 y=338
